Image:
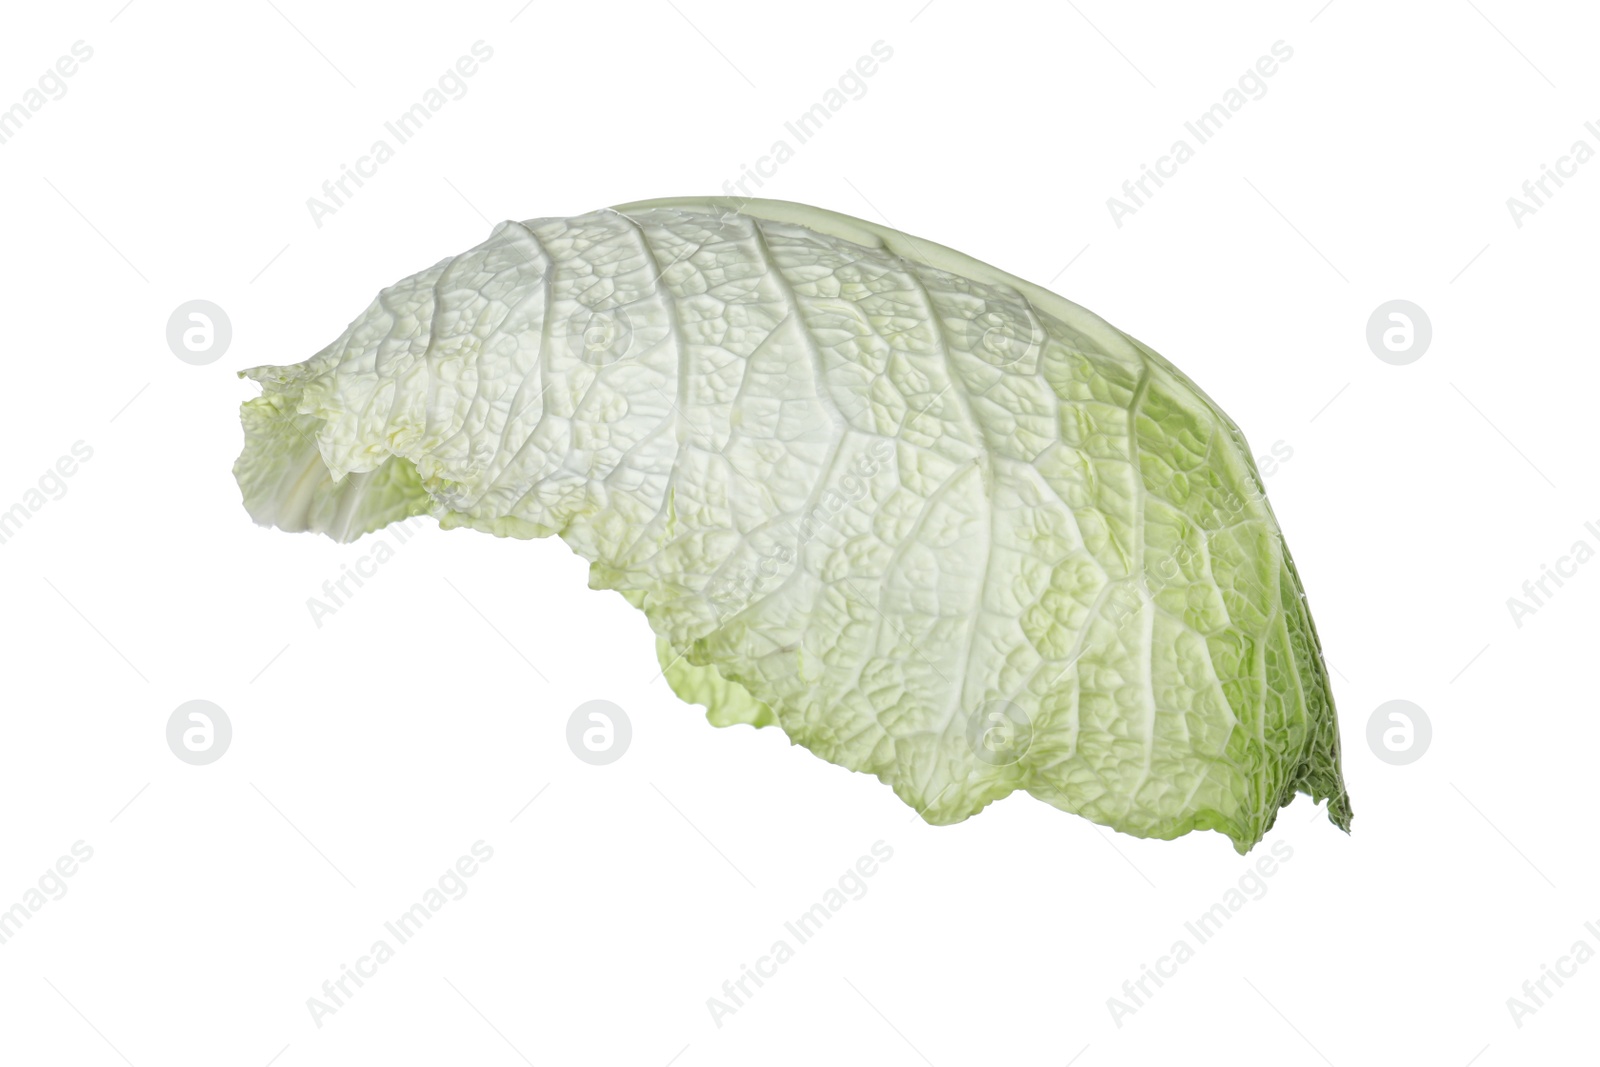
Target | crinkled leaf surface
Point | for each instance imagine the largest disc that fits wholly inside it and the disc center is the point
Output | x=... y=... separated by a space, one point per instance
x=934 y=522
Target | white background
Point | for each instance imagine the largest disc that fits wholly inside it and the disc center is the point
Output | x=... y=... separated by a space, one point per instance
x=368 y=754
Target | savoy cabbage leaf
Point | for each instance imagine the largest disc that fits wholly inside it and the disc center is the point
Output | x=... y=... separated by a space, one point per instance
x=934 y=522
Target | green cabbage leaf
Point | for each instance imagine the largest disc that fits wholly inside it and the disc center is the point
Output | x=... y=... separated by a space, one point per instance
x=935 y=523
